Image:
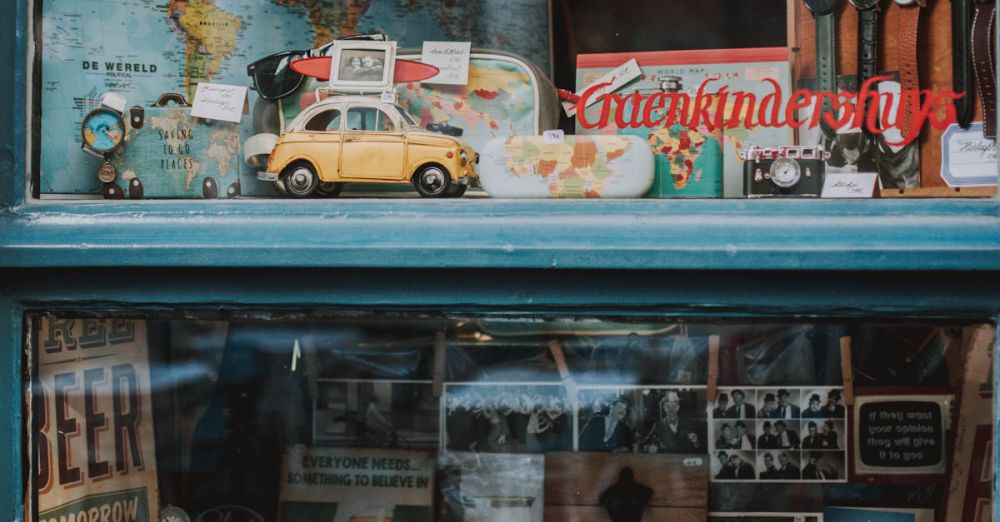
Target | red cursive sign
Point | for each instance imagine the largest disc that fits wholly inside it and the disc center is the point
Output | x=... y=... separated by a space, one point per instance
x=749 y=110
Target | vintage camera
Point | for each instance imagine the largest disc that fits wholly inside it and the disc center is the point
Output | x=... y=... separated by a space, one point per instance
x=784 y=171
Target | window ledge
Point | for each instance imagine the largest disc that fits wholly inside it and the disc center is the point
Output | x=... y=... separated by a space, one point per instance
x=484 y=233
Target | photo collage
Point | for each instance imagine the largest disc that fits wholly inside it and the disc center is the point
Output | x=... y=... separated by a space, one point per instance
x=778 y=434
x=541 y=418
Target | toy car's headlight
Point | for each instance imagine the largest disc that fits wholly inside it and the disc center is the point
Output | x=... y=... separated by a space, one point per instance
x=464 y=157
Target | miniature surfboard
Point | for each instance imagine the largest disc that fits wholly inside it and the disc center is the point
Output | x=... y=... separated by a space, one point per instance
x=406 y=70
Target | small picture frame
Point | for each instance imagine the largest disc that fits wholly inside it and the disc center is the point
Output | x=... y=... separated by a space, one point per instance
x=359 y=66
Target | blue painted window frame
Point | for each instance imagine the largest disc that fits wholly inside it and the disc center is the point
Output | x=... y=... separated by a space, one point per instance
x=915 y=258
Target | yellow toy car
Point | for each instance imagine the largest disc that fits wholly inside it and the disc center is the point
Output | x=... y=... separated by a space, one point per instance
x=358 y=139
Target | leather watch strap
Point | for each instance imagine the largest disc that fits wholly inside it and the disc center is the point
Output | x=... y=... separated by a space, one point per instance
x=907 y=58
x=826 y=64
x=983 y=62
x=867 y=53
x=867 y=44
x=961 y=39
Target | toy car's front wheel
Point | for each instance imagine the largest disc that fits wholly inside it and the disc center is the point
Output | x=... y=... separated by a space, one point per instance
x=432 y=181
x=300 y=180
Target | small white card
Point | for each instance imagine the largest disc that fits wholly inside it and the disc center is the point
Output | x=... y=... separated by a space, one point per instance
x=452 y=58
x=617 y=78
x=850 y=185
x=967 y=158
x=553 y=137
x=389 y=97
x=215 y=101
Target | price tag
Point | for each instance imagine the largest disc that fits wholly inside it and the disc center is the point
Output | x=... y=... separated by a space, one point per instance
x=215 y=101
x=389 y=97
x=553 y=137
x=854 y=185
x=967 y=158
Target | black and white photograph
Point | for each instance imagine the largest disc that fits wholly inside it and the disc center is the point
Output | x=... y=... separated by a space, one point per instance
x=778 y=465
x=361 y=65
x=734 y=435
x=735 y=403
x=642 y=420
x=778 y=403
x=376 y=414
x=823 y=465
x=790 y=422
x=823 y=403
x=778 y=434
x=823 y=434
x=732 y=465
x=507 y=418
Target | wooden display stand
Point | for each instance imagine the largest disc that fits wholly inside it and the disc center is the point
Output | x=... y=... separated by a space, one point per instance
x=935 y=74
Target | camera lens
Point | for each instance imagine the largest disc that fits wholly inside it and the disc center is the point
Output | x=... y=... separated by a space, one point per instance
x=785 y=173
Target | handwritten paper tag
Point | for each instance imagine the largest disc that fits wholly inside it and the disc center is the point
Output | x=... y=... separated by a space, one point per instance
x=389 y=97
x=967 y=158
x=452 y=58
x=215 y=101
x=553 y=137
x=617 y=79
x=850 y=185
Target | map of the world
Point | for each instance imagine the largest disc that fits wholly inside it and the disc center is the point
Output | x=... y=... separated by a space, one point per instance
x=144 y=48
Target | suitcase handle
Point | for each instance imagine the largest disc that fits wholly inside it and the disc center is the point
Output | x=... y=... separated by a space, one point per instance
x=177 y=98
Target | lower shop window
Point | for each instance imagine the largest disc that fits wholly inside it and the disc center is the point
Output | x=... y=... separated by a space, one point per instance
x=406 y=417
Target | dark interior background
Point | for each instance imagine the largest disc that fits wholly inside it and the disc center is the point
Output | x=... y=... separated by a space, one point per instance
x=603 y=26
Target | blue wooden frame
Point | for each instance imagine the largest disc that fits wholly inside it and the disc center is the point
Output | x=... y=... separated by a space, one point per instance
x=838 y=259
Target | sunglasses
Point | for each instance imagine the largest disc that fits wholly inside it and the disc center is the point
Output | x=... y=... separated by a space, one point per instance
x=273 y=78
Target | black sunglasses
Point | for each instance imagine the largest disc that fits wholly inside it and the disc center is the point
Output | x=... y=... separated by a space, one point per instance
x=273 y=77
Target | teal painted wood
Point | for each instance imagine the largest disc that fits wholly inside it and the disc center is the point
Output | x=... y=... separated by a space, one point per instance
x=754 y=294
x=644 y=234
x=13 y=87
x=11 y=413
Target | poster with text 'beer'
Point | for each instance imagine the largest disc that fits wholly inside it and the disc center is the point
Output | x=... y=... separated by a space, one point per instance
x=94 y=422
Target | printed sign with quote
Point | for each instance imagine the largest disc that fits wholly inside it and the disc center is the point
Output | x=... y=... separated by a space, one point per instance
x=900 y=434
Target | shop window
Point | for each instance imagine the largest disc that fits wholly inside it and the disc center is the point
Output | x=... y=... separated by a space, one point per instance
x=701 y=101
x=419 y=418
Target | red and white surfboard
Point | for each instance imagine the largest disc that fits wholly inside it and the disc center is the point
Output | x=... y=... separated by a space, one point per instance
x=406 y=70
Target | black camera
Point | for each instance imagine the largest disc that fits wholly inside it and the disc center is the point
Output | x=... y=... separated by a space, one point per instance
x=784 y=171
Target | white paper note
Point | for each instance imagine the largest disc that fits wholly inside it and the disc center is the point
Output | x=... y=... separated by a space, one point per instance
x=617 y=78
x=967 y=158
x=215 y=101
x=452 y=58
x=852 y=185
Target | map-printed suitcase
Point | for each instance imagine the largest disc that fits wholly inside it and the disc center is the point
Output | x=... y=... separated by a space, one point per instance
x=170 y=154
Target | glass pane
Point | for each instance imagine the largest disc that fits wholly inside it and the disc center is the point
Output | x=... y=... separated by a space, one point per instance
x=657 y=98
x=325 y=121
x=414 y=418
x=362 y=119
